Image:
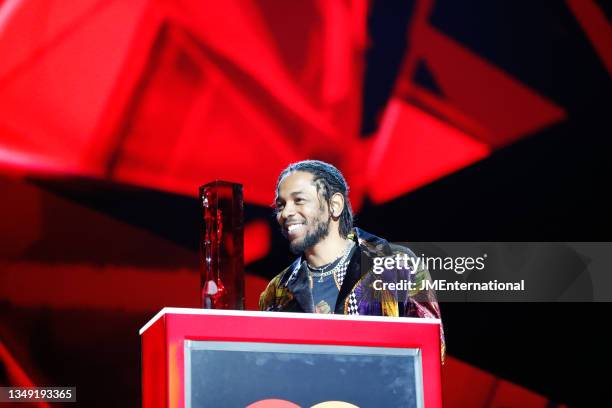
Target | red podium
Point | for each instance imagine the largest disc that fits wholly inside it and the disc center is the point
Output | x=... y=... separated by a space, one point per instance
x=199 y=358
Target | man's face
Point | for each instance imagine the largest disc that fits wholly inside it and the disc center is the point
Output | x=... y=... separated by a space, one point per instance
x=301 y=213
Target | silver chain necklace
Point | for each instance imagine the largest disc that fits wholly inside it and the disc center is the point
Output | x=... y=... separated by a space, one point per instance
x=332 y=271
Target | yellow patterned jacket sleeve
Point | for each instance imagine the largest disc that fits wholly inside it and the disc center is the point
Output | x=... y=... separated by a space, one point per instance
x=267 y=299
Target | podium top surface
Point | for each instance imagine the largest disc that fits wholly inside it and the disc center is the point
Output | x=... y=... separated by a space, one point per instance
x=311 y=316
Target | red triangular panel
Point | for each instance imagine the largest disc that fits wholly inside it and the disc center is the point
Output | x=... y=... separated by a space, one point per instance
x=413 y=149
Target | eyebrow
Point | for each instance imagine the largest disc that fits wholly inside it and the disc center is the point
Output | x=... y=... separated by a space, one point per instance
x=292 y=194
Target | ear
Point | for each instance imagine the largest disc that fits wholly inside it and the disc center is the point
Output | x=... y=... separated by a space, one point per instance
x=336 y=205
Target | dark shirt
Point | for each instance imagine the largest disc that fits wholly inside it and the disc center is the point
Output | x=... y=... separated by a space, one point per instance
x=326 y=287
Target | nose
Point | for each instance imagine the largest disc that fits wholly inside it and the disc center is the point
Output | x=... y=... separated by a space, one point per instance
x=287 y=211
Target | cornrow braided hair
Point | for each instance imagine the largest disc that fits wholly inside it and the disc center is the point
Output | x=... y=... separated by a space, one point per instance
x=328 y=180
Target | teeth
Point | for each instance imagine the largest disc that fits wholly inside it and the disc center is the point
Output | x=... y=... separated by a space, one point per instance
x=293 y=227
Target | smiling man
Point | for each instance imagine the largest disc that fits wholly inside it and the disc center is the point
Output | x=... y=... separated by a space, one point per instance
x=334 y=270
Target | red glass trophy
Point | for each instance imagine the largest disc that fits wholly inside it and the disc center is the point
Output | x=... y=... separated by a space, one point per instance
x=221 y=246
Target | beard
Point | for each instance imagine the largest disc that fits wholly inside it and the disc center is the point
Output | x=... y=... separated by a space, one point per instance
x=319 y=232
